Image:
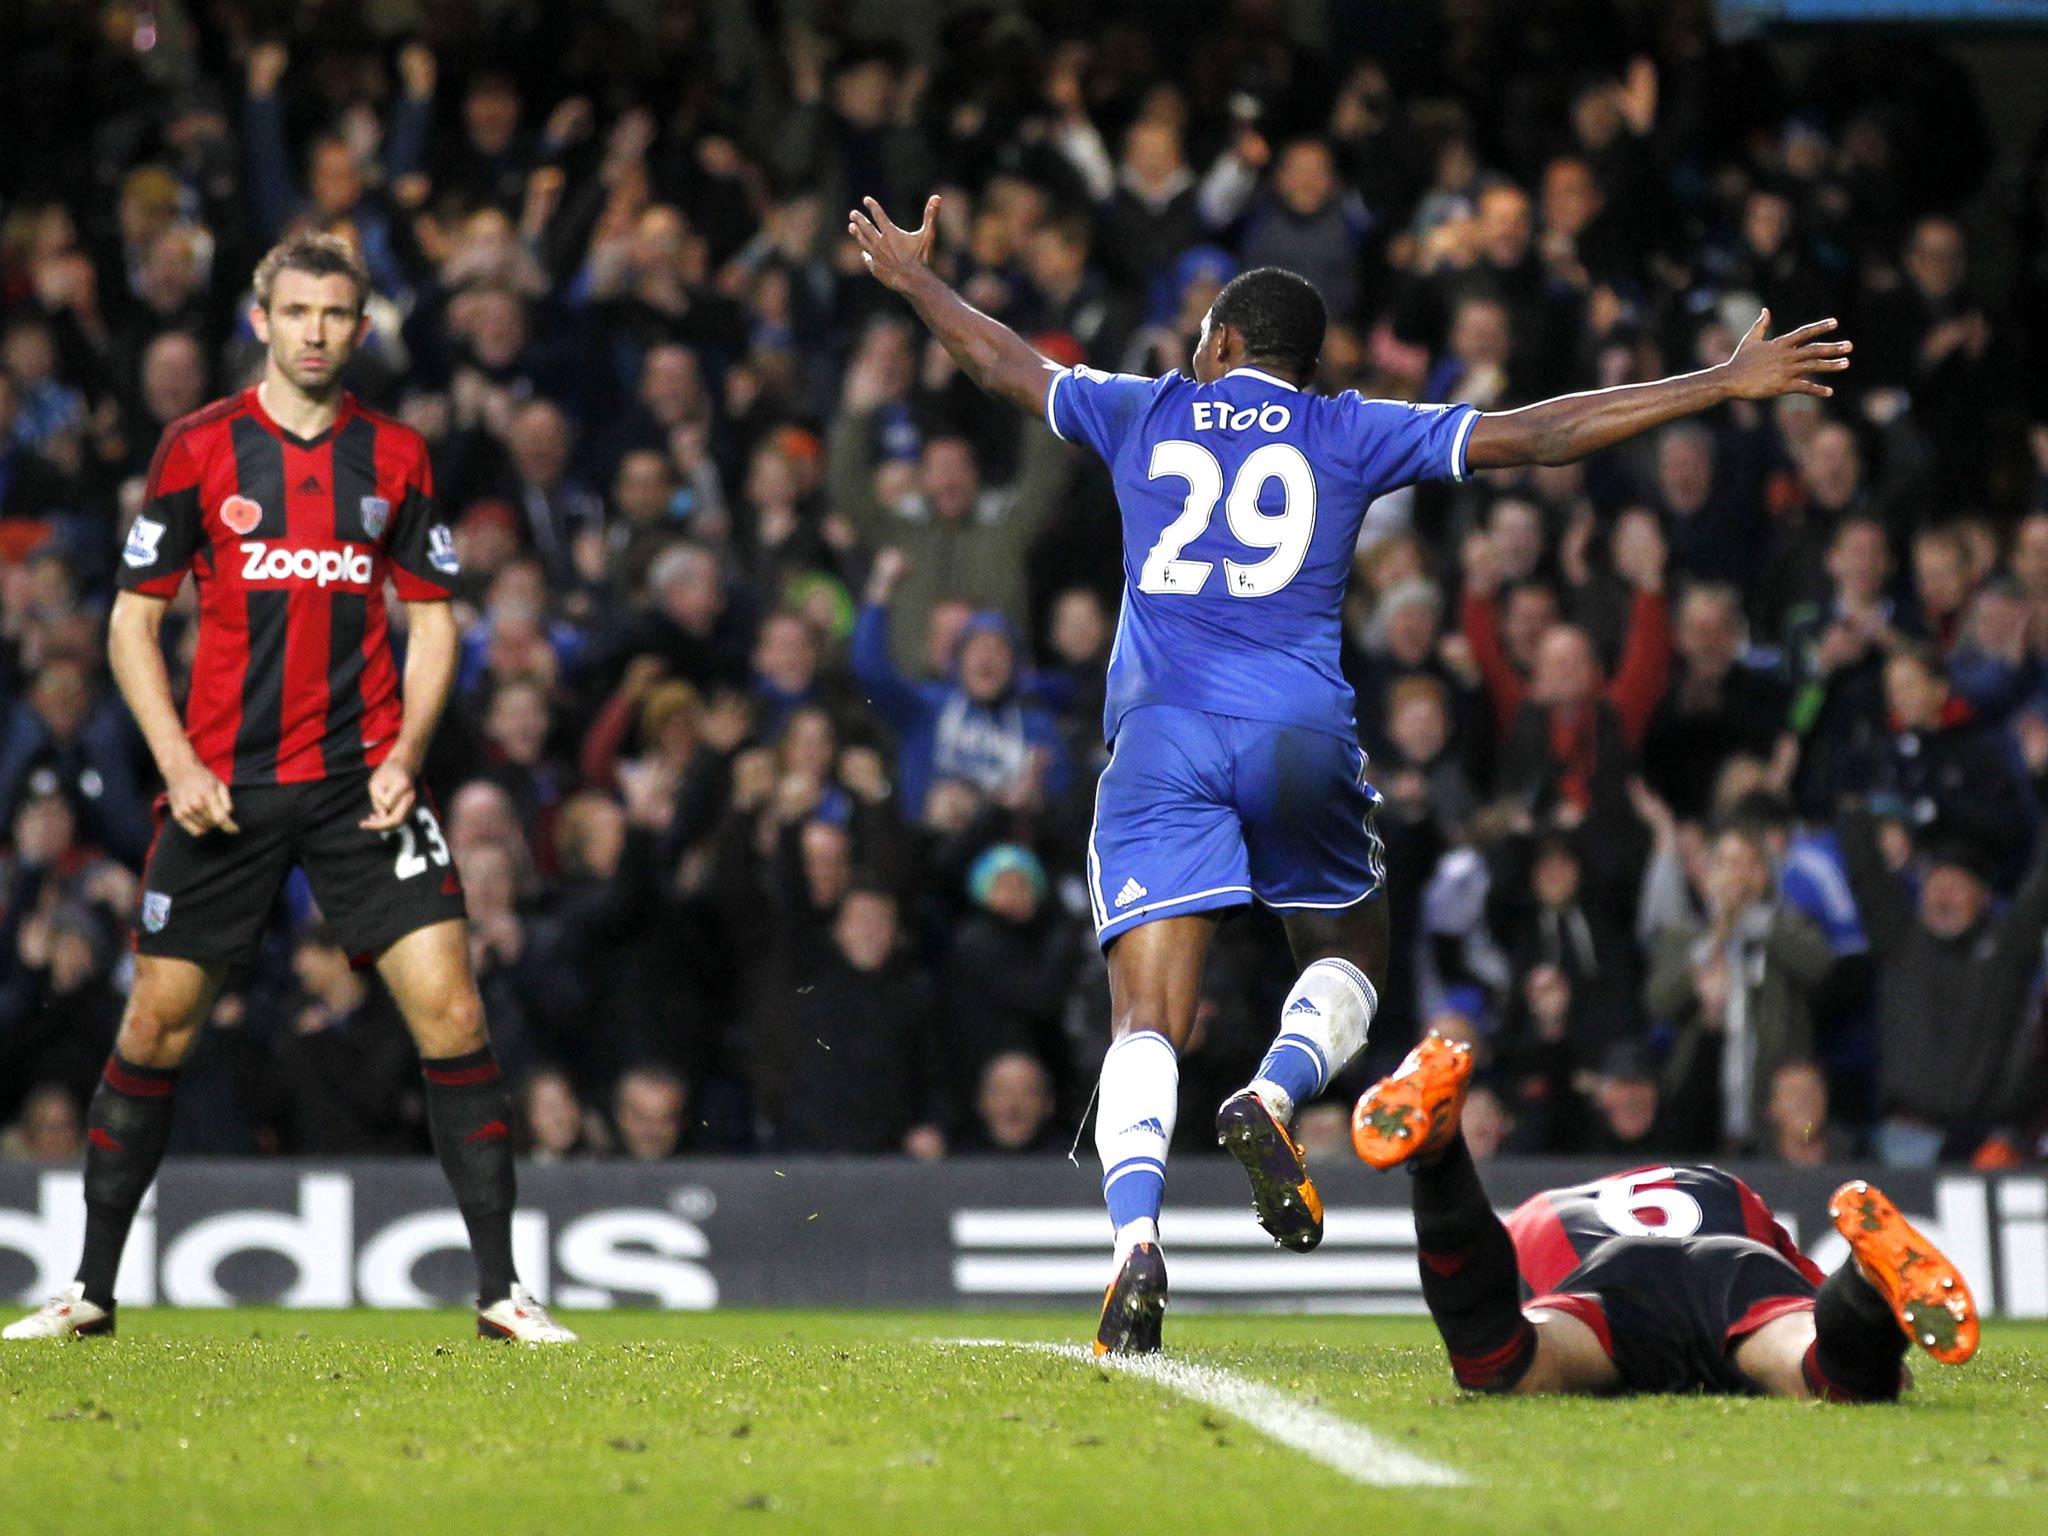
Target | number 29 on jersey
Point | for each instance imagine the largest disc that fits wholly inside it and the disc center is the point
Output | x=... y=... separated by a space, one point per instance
x=1285 y=535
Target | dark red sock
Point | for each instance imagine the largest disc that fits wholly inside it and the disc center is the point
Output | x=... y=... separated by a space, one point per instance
x=1469 y=1279
x=1857 y=1343
x=128 y=1125
x=470 y=1115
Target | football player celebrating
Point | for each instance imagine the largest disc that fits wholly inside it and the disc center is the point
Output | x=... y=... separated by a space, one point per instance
x=1656 y=1280
x=290 y=504
x=1235 y=771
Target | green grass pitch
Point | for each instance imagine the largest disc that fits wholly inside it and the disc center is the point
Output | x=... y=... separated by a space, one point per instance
x=247 y=1421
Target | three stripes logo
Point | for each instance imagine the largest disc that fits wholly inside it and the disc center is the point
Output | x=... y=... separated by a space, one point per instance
x=1366 y=1262
x=1131 y=892
x=1302 y=1005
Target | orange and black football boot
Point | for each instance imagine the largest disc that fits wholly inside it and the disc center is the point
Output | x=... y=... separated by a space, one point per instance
x=1134 y=1305
x=1283 y=1195
x=1414 y=1110
x=1927 y=1294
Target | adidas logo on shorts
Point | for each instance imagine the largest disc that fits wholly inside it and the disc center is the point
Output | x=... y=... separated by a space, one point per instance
x=1131 y=892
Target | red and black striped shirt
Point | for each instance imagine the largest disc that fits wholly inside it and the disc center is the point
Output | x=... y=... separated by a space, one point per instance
x=1555 y=1230
x=290 y=540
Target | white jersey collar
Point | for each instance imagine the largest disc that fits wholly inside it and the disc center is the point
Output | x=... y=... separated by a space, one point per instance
x=1260 y=373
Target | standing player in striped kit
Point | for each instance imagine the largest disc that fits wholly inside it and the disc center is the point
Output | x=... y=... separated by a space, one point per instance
x=290 y=503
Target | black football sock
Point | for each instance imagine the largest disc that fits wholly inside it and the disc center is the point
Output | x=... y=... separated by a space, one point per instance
x=1857 y=1342
x=470 y=1115
x=1469 y=1279
x=127 y=1127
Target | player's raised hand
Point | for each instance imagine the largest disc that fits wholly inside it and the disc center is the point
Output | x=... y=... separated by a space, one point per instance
x=893 y=254
x=199 y=801
x=391 y=797
x=1766 y=366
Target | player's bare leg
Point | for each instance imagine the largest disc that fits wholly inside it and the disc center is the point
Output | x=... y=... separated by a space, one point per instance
x=128 y=1125
x=470 y=1114
x=1323 y=1025
x=1774 y=1356
x=1155 y=979
x=1569 y=1359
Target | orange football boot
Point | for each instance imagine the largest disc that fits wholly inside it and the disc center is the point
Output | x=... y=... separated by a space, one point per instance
x=1927 y=1294
x=1414 y=1109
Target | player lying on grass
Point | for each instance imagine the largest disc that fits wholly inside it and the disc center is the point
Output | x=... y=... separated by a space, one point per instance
x=291 y=505
x=1235 y=771
x=1657 y=1280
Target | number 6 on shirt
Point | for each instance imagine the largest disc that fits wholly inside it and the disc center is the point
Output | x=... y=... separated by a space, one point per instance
x=1286 y=533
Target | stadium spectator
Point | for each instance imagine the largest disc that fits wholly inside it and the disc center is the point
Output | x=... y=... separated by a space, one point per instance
x=1801 y=1135
x=345 y=1072
x=59 y=1008
x=1486 y=1123
x=859 y=1070
x=80 y=738
x=556 y=1125
x=647 y=1113
x=1946 y=773
x=926 y=497
x=1741 y=992
x=1952 y=981
x=1014 y=1107
x=48 y=1130
x=1718 y=703
x=1009 y=971
x=976 y=726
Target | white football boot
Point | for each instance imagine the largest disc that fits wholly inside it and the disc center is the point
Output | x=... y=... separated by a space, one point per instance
x=65 y=1316
x=521 y=1319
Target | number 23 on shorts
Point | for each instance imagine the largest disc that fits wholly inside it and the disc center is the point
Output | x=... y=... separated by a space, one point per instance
x=420 y=827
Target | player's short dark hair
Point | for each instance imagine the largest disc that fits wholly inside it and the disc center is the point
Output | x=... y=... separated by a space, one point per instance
x=320 y=255
x=1279 y=314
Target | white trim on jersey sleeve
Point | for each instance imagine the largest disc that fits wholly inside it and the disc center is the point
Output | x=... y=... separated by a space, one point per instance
x=1458 y=470
x=1051 y=390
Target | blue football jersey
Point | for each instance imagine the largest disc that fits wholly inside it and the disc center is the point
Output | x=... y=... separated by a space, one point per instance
x=1241 y=503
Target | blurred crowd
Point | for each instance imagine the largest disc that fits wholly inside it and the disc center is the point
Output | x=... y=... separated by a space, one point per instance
x=1713 y=767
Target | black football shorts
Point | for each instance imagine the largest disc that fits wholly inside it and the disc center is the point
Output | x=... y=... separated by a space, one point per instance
x=1670 y=1311
x=206 y=899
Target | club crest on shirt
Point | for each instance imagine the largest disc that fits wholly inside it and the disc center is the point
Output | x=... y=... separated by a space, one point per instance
x=441 y=550
x=156 y=910
x=240 y=514
x=376 y=513
x=143 y=537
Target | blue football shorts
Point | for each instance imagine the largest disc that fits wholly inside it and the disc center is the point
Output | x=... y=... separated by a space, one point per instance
x=1198 y=811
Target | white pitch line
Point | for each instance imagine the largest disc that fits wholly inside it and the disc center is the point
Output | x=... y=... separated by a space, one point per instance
x=1337 y=1443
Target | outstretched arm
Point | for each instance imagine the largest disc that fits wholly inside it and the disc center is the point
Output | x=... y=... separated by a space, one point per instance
x=1570 y=427
x=988 y=352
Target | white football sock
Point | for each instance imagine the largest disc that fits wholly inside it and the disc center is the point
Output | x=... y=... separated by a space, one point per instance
x=1140 y=1095
x=1323 y=1025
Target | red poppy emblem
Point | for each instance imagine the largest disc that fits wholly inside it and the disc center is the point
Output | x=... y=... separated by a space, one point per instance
x=240 y=514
